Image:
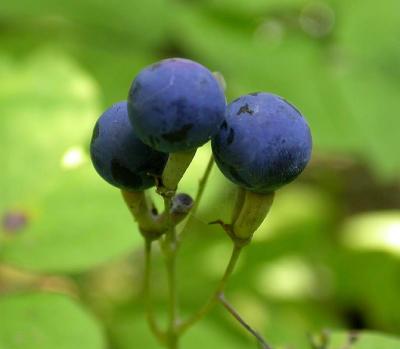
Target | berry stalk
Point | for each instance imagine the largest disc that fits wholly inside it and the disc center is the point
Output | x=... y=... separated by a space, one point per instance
x=197 y=199
x=169 y=247
x=174 y=170
x=254 y=209
x=236 y=315
x=213 y=300
x=155 y=329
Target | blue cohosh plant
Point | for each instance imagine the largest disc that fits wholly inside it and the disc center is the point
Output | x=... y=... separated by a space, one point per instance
x=260 y=142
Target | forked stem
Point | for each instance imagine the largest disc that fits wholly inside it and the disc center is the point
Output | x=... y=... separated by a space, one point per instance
x=212 y=301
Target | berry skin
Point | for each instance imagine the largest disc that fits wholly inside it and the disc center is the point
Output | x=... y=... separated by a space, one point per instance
x=119 y=156
x=176 y=105
x=263 y=144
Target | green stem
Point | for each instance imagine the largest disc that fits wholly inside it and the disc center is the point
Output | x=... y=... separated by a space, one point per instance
x=236 y=315
x=173 y=304
x=212 y=301
x=239 y=200
x=147 y=294
x=251 y=215
x=202 y=184
x=170 y=252
x=199 y=195
x=174 y=170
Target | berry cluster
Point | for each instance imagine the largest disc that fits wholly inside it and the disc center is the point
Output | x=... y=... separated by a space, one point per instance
x=259 y=141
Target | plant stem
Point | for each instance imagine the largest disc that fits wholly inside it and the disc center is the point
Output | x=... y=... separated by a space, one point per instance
x=202 y=184
x=252 y=213
x=147 y=294
x=199 y=195
x=174 y=170
x=170 y=250
x=237 y=316
x=172 y=311
x=207 y=307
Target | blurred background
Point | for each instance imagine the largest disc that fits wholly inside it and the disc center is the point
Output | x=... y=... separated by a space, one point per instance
x=328 y=255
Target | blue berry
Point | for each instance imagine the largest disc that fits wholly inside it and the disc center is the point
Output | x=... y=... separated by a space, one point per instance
x=119 y=156
x=176 y=105
x=263 y=144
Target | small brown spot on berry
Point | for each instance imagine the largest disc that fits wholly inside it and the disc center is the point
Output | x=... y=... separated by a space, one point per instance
x=245 y=109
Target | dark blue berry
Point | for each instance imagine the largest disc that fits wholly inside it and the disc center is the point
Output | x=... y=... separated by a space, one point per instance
x=119 y=156
x=263 y=144
x=176 y=105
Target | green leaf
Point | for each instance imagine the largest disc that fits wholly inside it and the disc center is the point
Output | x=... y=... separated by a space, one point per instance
x=131 y=22
x=364 y=340
x=47 y=321
x=75 y=220
x=289 y=65
x=367 y=76
x=132 y=328
x=253 y=7
x=345 y=83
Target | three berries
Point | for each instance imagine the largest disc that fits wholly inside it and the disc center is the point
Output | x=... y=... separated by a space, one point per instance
x=259 y=141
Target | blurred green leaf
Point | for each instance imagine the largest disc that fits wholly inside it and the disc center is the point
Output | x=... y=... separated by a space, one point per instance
x=253 y=7
x=47 y=321
x=367 y=71
x=363 y=340
x=75 y=220
x=376 y=231
x=131 y=330
x=346 y=87
x=132 y=22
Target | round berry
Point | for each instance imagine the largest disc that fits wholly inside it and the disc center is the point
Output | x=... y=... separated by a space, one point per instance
x=263 y=144
x=119 y=156
x=176 y=105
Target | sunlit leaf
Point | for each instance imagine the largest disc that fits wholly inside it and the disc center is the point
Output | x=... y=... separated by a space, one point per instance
x=74 y=220
x=373 y=231
x=47 y=321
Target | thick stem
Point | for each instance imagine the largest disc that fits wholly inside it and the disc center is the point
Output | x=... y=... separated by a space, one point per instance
x=237 y=316
x=147 y=294
x=212 y=301
x=151 y=225
x=254 y=209
x=240 y=195
x=174 y=170
x=139 y=206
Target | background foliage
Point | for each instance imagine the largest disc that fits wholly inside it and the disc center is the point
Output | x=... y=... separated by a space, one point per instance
x=327 y=256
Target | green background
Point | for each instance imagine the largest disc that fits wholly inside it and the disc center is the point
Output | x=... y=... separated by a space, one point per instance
x=326 y=257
